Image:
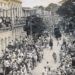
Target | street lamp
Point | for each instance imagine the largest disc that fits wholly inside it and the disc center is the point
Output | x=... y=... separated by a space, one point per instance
x=0 y=20
x=1 y=44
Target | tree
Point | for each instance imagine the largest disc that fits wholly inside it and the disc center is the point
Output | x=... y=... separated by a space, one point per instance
x=35 y=25
x=41 y=7
x=52 y=7
x=67 y=9
x=63 y=1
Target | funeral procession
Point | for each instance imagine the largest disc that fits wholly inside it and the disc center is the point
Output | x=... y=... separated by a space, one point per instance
x=37 y=37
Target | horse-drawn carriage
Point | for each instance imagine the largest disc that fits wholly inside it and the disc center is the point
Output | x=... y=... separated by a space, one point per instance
x=57 y=33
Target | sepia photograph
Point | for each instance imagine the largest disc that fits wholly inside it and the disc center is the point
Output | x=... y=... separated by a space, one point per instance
x=37 y=37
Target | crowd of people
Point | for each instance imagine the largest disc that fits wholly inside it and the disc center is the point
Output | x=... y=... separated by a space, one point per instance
x=21 y=57
x=66 y=60
x=66 y=67
x=49 y=71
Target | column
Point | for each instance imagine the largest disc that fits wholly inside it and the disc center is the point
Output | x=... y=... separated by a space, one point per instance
x=1 y=44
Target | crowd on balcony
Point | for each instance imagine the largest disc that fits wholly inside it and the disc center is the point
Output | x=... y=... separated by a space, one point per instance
x=7 y=21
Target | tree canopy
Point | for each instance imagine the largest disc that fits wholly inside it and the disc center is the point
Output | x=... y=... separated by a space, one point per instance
x=51 y=7
x=41 y=7
x=34 y=24
x=67 y=9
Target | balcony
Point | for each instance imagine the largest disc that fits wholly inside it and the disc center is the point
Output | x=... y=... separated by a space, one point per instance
x=7 y=24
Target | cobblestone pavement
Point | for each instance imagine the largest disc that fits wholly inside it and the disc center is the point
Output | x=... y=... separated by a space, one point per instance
x=48 y=57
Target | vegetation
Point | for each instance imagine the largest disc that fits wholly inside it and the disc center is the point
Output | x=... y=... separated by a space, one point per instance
x=34 y=25
x=52 y=7
x=67 y=11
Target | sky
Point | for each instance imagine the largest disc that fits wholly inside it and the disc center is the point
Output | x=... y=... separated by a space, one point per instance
x=32 y=3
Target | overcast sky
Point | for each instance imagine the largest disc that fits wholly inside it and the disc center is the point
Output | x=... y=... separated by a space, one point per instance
x=32 y=3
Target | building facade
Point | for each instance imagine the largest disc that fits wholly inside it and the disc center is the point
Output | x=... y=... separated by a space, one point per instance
x=13 y=10
x=10 y=8
x=28 y=11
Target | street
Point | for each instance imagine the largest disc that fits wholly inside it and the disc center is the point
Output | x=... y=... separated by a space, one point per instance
x=49 y=58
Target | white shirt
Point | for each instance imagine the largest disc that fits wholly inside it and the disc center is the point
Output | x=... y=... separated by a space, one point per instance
x=6 y=63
